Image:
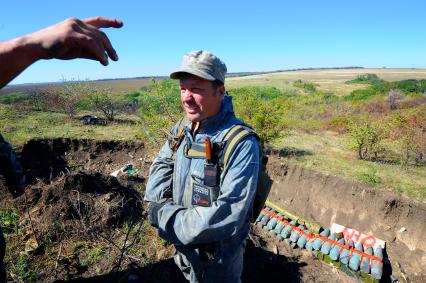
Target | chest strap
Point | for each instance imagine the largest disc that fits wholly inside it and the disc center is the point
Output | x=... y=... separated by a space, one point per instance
x=226 y=146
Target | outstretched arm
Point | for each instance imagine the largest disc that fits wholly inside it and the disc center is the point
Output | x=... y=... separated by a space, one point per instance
x=70 y=39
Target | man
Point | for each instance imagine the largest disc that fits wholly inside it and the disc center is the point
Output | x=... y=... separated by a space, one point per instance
x=14 y=176
x=70 y=39
x=207 y=223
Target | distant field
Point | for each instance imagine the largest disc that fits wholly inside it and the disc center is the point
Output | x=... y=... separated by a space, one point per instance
x=116 y=85
x=326 y=80
x=332 y=80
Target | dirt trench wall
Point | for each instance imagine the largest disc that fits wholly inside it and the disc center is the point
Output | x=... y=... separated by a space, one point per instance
x=327 y=199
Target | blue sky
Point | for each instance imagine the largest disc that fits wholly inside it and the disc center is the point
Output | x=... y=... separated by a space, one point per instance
x=247 y=35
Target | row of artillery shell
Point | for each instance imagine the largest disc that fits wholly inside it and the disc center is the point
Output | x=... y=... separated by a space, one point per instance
x=366 y=262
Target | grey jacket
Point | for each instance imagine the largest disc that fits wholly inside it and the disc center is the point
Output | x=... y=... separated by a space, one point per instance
x=10 y=167
x=226 y=220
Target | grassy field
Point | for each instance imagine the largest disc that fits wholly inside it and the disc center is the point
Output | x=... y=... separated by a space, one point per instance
x=332 y=81
x=19 y=127
x=330 y=153
x=312 y=121
x=116 y=85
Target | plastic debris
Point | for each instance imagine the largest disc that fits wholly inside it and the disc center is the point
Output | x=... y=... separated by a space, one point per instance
x=128 y=168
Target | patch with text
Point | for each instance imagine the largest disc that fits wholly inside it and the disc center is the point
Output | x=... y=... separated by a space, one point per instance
x=201 y=195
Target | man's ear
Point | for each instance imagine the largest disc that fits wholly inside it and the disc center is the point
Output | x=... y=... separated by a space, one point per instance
x=221 y=90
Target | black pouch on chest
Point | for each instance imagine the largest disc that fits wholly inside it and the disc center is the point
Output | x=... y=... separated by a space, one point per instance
x=210 y=175
x=211 y=169
x=203 y=194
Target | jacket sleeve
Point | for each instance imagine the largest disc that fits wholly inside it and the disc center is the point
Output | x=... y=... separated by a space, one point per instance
x=10 y=167
x=159 y=184
x=197 y=225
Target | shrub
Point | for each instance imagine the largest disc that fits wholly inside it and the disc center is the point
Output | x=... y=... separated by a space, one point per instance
x=261 y=110
x=160 y=109
x=366 y=139
x=393 y=96
x=69 y=96
x=305 y=85
x=13 y=98
x=108 y=103
x=375 y=106
x=366 y=79
x=410 y=133
x=409 y=87
x=339 y=124
x=40 y=100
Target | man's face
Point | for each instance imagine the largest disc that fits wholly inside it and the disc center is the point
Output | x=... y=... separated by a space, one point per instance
x=199 y=98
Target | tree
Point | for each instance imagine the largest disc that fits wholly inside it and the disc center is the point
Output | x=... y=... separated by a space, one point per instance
x=366 y=139
x=393 y=96
x=107 y=102
x=68 y=97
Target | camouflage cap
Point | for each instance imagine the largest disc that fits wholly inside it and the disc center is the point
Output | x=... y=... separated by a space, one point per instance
x=202 y=64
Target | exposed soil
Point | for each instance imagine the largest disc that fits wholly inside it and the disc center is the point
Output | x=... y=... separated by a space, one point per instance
x=265 y=260
x=398 y=220
x=81 y=203
x=72 y=199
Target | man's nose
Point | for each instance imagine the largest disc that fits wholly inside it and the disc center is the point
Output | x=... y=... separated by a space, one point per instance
x=187 y=95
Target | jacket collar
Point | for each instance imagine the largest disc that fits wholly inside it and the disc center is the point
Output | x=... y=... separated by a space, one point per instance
x=217 y=120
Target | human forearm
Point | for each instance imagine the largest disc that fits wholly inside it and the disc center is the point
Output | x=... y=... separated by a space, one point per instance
x=16 y=55
x=70 y=39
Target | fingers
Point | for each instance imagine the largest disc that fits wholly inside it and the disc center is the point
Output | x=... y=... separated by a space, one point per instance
x=101 y=36
x=102 y=22
x=74 y=38
x=92 y=48
x=97 y=22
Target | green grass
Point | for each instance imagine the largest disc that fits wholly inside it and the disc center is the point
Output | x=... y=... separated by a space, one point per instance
x=25 y=269
x=331 y=154
x=19 y=127
x=94 y=255
x=271 y=103
x=13 y=97
x=9 y=220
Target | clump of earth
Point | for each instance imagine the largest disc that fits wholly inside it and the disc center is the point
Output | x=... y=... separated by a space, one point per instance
x=71 y=188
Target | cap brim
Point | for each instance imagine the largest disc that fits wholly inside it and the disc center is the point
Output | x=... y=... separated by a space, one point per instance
x=178 y=74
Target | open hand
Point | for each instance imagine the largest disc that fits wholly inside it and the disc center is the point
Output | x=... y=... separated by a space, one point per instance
x=74 y=38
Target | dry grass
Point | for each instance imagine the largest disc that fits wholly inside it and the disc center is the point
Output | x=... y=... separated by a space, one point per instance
x=329 y=153
x=326 y=80
x=19 y=127
x=129 y=85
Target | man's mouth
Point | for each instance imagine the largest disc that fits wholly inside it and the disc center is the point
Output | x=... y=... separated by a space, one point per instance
x=191 y=108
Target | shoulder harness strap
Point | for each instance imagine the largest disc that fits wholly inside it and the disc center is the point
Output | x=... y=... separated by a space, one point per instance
x=177 y=139
x=224 y=149
x=231 y=140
